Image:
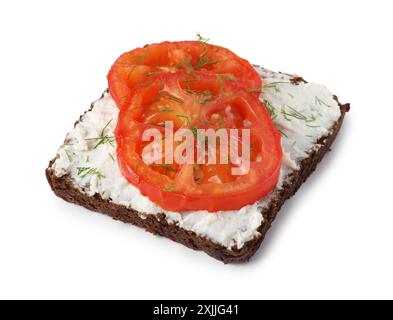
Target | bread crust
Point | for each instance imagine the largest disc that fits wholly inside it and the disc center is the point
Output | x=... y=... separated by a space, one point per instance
x=157 y=224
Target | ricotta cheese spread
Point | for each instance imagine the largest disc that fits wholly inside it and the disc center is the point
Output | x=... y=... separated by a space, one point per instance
x=302 y=112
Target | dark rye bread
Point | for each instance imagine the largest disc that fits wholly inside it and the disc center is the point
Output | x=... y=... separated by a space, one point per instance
x=157 y=224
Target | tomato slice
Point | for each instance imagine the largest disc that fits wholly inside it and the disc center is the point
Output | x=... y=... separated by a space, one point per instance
x=194 y=102
x=134 y=66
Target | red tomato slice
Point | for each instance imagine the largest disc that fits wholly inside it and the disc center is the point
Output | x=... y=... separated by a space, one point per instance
x=134 y=66
x=197 y=101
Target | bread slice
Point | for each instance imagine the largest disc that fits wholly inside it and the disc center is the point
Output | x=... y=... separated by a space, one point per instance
x=226 y=236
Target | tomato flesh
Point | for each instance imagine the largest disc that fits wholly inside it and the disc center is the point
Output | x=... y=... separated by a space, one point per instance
x=168 y=57
x=196 y=100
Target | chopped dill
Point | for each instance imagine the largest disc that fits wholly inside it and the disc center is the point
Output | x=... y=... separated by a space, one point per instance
x=204 y=62
x=321 y=102
x=112 y=157
x=283 y=133
x=227 y=76
x=104 y=138
x=293 y=113
x=69 y=154
x=88 y=171
x=151 y=74
x=202 y=39
x=205 y=100
x=187 y=118
x=273 y=85
x=187 y=63
x=165 y=109
x=254 y=90
x=271 y=110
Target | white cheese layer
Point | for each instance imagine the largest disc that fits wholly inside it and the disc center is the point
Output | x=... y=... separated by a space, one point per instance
x=303 y=113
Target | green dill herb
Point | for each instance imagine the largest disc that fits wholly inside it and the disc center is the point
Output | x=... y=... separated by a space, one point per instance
x=321 y=102
x=227 y=76
x=187 y=118
x=204 y=62
x=112 y=157
x=88 y=159
x=273 y=85
x=294 y=114
x=187 y=63
x=69 y=154
x=254 y=90
x=165 y=109
x=151 y=74
x=88 y=171
x=104 y=138
x=283 y=133
x=205 y=100
x=202 y=39
x=271 y=110
x=291 y=95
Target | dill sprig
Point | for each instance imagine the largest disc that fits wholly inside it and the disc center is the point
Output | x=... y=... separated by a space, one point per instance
x=205 y=100
x=283 y=133
x=321 y=102
x=150 y=74
x=294 y=114
x=271 y=110
x=204 y=62
x=227 y=76
x=270 y=85
x=135 y=61
x=165 y=109
x=104 y=138
x=254 y=90
x=187 y=62
x=202 y=39
x=187 y=118
x=89 y=171
x=273 y=85
x=69 y=154
x=112 y=157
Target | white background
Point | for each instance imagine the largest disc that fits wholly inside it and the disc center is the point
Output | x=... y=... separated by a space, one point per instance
x=332 y=240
